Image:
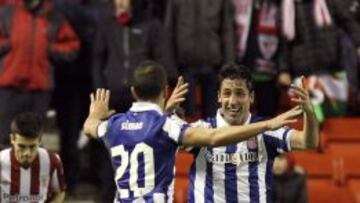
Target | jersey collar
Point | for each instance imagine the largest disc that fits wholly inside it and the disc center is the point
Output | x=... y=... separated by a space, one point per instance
x=145 y=106
x=221 y=122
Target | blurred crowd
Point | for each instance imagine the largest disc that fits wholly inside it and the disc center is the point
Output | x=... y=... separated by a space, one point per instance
x=54 y=52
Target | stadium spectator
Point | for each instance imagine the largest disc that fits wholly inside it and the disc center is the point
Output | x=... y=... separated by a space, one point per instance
x=202 y=34
x=143 y=141
x=312 y=48
x=27 y=49
x=259 y=43
x=73 y=85
x=289 y=184
x=123 y=40
x=30 y=173
x=242 y=172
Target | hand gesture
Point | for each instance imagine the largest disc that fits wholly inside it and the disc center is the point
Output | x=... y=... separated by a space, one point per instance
x=284 y=118
x=177 y=96
x=301 y=96
x=99 y=106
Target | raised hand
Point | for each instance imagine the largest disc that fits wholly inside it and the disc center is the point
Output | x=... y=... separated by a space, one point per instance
x=99 y=106
x=177 y=96
x=302 y=96
x=284 y=118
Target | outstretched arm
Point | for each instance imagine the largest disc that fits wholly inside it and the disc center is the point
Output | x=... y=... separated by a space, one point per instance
x=234 y=134
x=98 y=112
x=308 y=138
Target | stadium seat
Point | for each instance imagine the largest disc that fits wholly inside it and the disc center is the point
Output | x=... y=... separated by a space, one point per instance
x=318 y=165
x=183 y=163
x=325 y=191
x=342 y=149
x=341 y=129
x=352 y=166
x=354 y=185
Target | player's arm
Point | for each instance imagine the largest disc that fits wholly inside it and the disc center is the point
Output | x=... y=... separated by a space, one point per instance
x=59 y=197
x=57 y=180
x=234 y=134
x=308 y=138
x=98 y=112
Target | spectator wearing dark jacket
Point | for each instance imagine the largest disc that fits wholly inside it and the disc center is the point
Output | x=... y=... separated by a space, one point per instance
x=123 y=40
x=312 y=48
x=203 y=38
x=258 y=46
x=315 y=48
x=28 y=49
x=71 y=103
x=289 y=183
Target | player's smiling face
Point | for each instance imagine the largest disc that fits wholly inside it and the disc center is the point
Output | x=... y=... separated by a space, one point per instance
x=235 y=100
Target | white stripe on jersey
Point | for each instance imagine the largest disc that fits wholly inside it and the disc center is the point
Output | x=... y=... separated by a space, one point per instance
x=44 y=171
x=263 y=159
x=159 y=198
x=55 y=181
x=279 y=135
x=172 y=127
x=25 y=179
x=219 y=182
x=170 y=192
x=242 y=174
x=5 y=172
x=102 y=128
x=199 y=180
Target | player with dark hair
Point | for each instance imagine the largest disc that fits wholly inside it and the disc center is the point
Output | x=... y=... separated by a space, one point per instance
x=242 y=172
x=29 y=173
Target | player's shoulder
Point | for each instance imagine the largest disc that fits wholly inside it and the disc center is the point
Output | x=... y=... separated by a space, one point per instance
x=5 y=155
x=116 y=117
x=209 y=122
x=53 y=156
x=5 y=151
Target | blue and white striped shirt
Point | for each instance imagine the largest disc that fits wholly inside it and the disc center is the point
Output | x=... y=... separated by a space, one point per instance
x=143 y=143
x=236 y=173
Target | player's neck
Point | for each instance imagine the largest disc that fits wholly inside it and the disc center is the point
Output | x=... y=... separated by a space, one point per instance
x=158 y=101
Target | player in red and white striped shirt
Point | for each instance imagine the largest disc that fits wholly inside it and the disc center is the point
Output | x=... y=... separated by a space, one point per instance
x=29 y=173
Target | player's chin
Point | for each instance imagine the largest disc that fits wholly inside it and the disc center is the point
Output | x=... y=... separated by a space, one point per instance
x=25 y=164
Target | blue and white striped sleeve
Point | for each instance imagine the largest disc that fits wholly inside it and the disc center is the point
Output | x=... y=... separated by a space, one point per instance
x=102 y=129
x=279 y=139
x=197 y=124
x=175 y=128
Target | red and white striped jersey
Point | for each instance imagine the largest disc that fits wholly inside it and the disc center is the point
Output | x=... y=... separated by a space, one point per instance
x=34 y=184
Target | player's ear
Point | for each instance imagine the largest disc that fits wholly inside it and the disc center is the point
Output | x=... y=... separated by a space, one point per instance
x=133 y=92
x=167 y=91
x=252 y=97
x=218 y=96
x=12 y=138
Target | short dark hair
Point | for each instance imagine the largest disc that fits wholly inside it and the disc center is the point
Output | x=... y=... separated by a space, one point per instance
x=27 y=124
x=236 y=71
x=150 y=79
